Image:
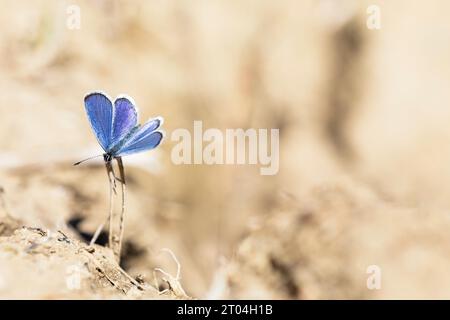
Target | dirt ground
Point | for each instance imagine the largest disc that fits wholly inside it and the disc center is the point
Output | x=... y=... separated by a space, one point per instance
x=364 y=172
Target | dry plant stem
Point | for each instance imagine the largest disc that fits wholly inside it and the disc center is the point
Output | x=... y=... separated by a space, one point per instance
x=112 y=192
x=173 y=282
x=97 y=233
x=122 y=214
x=3 y=203
x=109 y=170
x=115 y=236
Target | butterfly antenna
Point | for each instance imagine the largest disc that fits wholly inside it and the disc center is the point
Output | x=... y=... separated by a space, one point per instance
x=80 y=162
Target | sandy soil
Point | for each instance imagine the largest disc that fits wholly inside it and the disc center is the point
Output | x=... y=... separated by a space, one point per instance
x=364 y=149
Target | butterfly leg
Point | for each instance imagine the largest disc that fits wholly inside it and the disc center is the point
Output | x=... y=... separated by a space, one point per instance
x=111 y=176
x=116 y=178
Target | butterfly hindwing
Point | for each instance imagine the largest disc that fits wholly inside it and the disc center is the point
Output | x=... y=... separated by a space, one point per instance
x=100 y=113
x=148 y=142
x=145 y=138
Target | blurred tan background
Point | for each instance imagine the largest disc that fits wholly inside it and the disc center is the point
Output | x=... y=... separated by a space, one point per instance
x=364 y=139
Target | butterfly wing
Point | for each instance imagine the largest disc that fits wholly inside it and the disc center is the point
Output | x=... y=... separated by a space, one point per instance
x=124 y=119
x=145 y=138
x=100 y=113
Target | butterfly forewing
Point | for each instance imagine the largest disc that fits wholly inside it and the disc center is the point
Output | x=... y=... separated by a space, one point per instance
x=100 y=113
x=124 y=120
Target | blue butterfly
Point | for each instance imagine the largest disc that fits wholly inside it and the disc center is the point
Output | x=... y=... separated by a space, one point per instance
x=115 y=126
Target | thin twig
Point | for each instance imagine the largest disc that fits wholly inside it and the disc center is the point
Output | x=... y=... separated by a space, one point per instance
x=122 y=214
x=97 y=233
x=3 y=202
x=174 y=257
x=173 y=282
x=109 y=170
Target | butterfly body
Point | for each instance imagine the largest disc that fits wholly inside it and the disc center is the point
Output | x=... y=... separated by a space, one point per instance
x=115 y=126
x=108 y=157
x=115 y=149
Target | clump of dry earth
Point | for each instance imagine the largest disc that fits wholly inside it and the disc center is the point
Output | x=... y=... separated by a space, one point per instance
x=43 y=264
